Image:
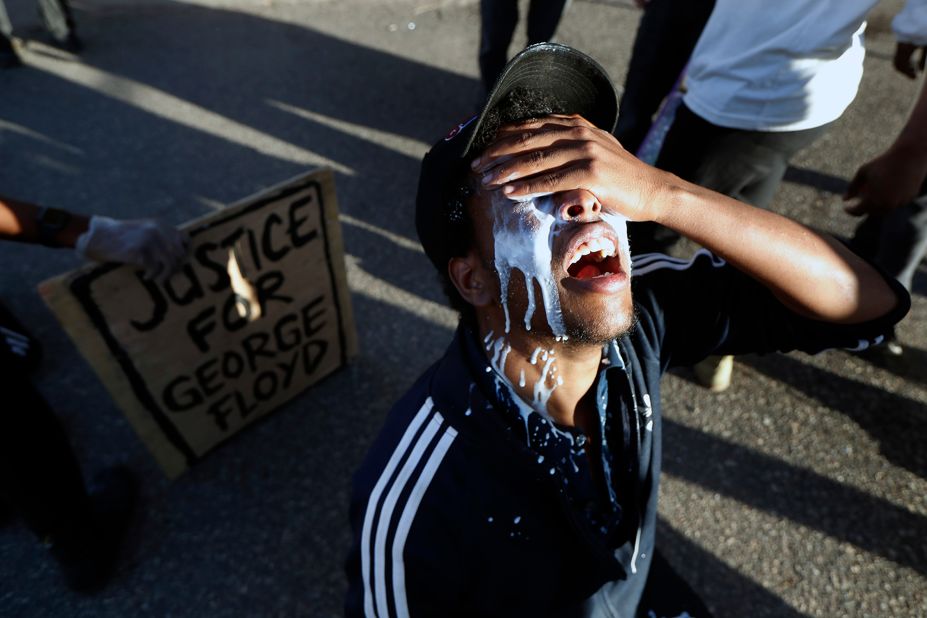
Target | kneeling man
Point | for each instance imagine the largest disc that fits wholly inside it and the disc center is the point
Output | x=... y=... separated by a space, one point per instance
x=519 y=475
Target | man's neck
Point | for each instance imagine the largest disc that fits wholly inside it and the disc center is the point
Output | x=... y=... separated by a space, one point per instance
x=553 y=377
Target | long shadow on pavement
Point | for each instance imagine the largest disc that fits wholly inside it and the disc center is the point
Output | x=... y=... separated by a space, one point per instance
x=722 y=588
x=897 y=422
x=802 y=496
x=260 y=526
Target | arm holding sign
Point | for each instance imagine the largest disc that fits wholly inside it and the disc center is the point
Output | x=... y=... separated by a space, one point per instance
x=153 y=246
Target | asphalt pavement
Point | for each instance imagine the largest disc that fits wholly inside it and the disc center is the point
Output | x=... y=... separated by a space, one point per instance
x=801 y=491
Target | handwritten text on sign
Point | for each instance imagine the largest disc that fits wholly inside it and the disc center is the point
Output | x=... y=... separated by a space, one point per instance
x=258 y=313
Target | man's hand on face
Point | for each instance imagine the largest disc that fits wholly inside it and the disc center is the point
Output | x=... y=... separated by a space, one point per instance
x=562 y=154
x=154 y=246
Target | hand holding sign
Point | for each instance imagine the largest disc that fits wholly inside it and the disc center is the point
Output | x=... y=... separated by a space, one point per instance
x=148 y=244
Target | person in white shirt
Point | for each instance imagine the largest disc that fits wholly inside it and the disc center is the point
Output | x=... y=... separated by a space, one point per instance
x=765 y=80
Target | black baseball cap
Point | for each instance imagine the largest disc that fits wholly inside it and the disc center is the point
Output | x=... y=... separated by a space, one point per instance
x=577 y=83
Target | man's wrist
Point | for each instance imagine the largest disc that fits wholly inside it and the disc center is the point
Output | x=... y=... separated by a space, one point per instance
x=669 y=193
x=67 y=235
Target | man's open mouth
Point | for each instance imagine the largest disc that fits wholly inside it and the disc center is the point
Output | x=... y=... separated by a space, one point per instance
x=595 y=257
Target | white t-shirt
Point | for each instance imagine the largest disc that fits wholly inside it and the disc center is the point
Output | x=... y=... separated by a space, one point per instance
x=786 y=65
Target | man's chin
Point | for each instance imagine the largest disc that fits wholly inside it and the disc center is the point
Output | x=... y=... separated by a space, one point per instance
x=587 y=334
x=600 y=329
x=597 y=319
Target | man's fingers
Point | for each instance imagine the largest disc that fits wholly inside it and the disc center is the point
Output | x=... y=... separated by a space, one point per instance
x=512 y=143
x=550 y=119
x=561 y=179
x=531 y=135
x=528 y=164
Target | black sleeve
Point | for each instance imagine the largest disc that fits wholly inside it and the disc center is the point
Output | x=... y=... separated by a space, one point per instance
x=422 y=582
x=405 y=559
x=705 y=306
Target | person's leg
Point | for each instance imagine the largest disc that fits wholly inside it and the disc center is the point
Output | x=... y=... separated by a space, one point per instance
x=543 y=18
x=41 y=481
x=664 y=42
x=768 y=155
x=746 y=165
x=498 y=19
x=8 y=57
x=60 y=23
x=39 y=475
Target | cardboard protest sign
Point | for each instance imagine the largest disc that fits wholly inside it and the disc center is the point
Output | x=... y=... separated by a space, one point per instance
x=260 y=312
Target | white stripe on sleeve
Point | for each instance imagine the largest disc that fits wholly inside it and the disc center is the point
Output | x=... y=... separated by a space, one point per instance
x=408 y=514
x=373 y=501
x=668 y=263
x=389 y=504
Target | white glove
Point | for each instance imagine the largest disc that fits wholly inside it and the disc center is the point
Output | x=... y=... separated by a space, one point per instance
x=154 y=246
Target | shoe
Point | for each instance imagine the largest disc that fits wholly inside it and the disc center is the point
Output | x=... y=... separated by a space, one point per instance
x=714 y=373
x=888 y=353
x=88 y=561
x=893 y=347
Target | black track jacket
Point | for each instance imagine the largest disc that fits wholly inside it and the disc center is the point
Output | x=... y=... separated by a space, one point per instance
x=453 y=515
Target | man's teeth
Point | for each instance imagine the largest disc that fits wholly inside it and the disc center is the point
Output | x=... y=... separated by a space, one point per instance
x=601 y=246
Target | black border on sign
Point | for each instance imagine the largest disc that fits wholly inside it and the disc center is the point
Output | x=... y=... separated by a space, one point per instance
x=80 y=288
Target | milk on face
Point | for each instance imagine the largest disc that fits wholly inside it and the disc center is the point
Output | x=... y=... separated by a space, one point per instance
x=524 y=233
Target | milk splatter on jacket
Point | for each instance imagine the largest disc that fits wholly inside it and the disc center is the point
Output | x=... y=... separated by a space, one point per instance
x=463 y=509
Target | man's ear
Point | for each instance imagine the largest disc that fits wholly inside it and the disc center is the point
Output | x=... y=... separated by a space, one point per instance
x=474 y=282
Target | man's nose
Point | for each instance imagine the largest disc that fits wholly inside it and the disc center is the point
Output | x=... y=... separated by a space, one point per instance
x=579 y=206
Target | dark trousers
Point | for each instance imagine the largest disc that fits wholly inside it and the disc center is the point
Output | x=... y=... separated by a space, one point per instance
x=746 y=165
x=664 y=41
x=498 y=19
x=40 y=479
